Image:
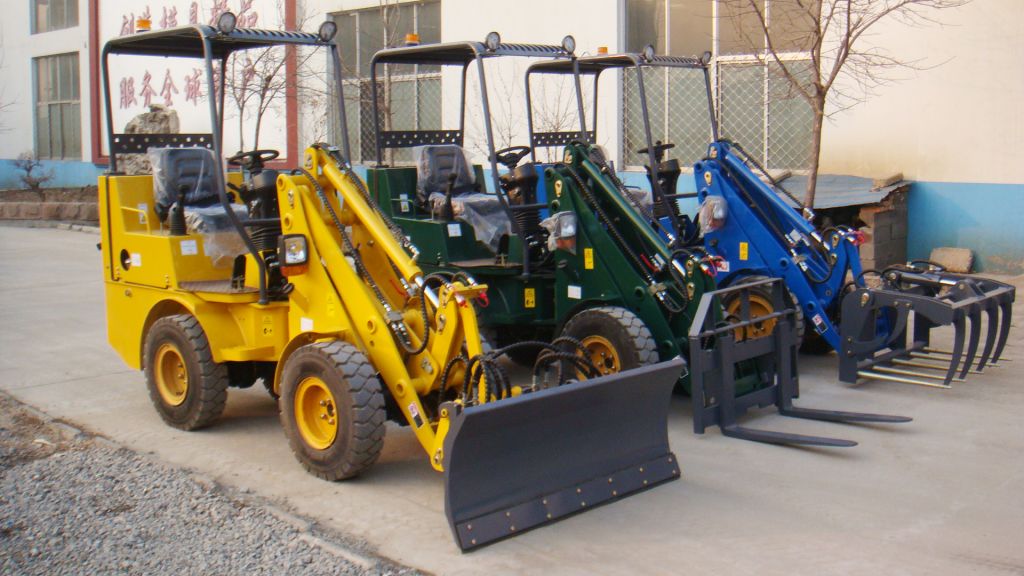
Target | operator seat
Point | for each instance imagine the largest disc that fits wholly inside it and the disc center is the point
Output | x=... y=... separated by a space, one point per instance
x=441 y=166
x=191 y=172
x=436 y=164
x=188 y=169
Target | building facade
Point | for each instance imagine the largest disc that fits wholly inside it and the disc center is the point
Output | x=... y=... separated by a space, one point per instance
x=953 y=125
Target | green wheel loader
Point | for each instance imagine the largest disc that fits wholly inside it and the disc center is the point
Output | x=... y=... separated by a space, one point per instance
x=565 y=252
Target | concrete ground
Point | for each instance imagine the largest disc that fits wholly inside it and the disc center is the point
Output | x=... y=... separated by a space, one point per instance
x=942 y=495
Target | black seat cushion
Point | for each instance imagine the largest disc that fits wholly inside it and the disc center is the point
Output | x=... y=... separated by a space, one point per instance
x=434 y=165
x=191 y=168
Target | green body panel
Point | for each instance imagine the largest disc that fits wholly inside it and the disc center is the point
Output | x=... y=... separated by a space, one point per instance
x=597 y=273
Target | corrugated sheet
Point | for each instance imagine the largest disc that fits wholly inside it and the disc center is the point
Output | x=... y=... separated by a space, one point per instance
x=837 y=190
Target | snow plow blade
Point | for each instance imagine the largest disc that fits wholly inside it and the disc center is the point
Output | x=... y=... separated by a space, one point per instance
x=519 y=463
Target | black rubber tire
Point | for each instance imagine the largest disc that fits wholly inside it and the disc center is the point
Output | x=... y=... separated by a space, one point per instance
x=357 y=394
x=626 y=332
x=766 y=293
x=207 y=389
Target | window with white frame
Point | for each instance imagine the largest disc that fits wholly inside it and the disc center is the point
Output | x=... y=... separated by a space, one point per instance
x=756 y=105
x=410 y=95
x=58 y=120
x=50 y=15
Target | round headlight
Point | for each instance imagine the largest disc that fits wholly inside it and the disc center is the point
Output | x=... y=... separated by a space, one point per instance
x=569 y=44
x=226 y=22
x=492 y=41
x=649 y=52
x=705 y=58
x=327 y=31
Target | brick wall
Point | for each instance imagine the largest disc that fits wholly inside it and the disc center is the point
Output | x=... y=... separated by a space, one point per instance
x=64 y=211
x=886 y=231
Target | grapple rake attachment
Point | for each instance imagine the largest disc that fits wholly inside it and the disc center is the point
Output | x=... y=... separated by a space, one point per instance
x=719 y=361
x=519 y=463
x=882 y=341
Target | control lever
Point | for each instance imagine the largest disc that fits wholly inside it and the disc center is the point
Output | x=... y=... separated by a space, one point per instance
x=448 y=213
x=178 y=227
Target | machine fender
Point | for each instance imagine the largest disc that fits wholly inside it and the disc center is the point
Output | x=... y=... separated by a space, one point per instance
x=294 y=344
x=167 y=307
x=586 y=304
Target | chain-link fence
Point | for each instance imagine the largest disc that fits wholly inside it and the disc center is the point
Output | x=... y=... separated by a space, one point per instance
x=756 y=107
x=677 y=108
x=406 y=102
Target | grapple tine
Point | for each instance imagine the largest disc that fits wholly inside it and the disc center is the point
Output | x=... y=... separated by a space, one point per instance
x=1004 y=329
x=990 y=338
x=516 y=464
x=958 y=349
x=972 y=343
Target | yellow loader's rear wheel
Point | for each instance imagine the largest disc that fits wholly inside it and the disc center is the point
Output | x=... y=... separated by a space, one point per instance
x=332 y=409
x=186 y=386
x=615 y=338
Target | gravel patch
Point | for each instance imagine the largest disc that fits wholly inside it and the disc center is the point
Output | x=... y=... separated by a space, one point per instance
x=71 y=504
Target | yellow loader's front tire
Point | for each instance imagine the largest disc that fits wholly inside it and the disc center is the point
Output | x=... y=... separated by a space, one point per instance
x=332 y=409
x=186 y=386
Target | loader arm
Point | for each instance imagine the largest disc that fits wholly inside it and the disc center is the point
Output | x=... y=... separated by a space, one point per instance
x=763 y=235
x=372 y=303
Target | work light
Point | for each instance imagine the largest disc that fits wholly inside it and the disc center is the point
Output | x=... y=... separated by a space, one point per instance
x=293 y=253
x=569 y=44
x=492 y=41
x=327 y=31
x=226 y=22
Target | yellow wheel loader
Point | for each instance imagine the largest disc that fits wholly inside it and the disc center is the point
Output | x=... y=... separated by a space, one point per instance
x=216 y=279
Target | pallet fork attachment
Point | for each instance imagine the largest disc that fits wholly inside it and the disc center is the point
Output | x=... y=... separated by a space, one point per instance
x=716 y=356
x=937 y=298
x=536 y=458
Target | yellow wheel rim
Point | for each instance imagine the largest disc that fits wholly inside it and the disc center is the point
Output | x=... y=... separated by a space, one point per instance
x=316 y=413
x=170 y=374
x=603 y=354
x=759 y=306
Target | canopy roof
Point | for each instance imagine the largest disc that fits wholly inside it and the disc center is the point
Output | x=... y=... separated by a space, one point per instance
x=187 y=41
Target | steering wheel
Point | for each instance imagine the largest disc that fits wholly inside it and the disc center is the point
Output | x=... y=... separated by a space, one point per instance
x=659 y=149
x=253 y=159
x=509 y=157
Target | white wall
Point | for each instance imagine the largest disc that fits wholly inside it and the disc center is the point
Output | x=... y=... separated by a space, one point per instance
x=959 y=121
x=19 y=46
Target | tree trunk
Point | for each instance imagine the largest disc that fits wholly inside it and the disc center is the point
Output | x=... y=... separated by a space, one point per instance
x=812 y=174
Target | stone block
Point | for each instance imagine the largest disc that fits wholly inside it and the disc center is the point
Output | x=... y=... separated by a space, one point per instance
x=90 y=212
x=883 y=233
x=899 y=229
x=29 y=210
x=867 y=250
x=49 y=211
x=69 y=210
x=959 y=260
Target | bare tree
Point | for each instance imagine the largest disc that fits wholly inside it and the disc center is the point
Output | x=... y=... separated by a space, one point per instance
x=34 y=175
x=555 y=108
x=5 y=104
x=257 y=81
x=833 y=32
